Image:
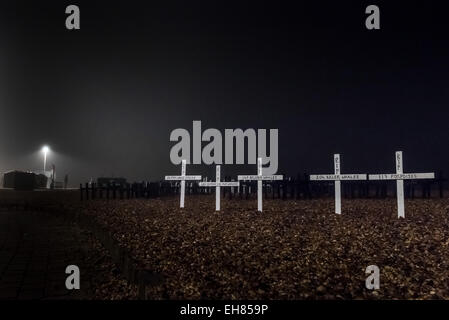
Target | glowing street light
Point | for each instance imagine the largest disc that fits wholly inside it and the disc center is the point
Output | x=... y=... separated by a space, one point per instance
x=45 y=150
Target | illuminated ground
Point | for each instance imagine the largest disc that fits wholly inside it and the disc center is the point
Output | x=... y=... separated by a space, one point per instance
x=293 y=250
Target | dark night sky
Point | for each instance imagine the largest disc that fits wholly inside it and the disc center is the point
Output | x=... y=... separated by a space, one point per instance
x=106 y=97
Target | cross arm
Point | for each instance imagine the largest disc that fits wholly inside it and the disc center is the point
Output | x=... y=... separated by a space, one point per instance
x=337 y=177
x=260 y=178
x=229 y=184
x=402 y=176
x=219 y=184
x=208 y=184
x=182 y=178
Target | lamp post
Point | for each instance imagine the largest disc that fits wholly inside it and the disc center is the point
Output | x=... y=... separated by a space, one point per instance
x=45 y=150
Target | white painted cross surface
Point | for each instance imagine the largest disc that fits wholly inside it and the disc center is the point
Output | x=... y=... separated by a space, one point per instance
x=400 y=176
x=217 y=184
x=183 y=178
x=337 y=177
x=259 y=178
x=337 y=184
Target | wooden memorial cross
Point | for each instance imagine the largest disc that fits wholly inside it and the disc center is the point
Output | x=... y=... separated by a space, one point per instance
x=400 y=176
x=217 y=184
x=259 y=178
x=183 y=179
x=337 y=177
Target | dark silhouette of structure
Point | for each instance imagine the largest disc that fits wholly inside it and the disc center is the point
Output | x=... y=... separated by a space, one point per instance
x=20 y=180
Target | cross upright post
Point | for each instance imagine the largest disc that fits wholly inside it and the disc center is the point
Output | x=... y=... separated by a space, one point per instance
x=337 y=184
x=217 y=184
x=400 y=176
x=337 y=177
x=400 y=185
x=259 y=178
x=183 y=178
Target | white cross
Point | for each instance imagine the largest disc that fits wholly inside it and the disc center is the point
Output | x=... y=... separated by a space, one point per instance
x=337 y=177
x=400 y=176
x=183 y=179
x=259 y=177
x=217 y=184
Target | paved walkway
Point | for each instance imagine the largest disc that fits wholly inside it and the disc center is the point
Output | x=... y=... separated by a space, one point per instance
x=35 y=249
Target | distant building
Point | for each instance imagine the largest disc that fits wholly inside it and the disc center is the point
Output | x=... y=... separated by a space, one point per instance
x=20 y=180
x=41 y=181
x=103 y=181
